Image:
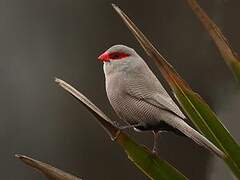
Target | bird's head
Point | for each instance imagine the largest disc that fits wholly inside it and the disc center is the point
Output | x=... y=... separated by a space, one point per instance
x=117 y=53
x=119 y=58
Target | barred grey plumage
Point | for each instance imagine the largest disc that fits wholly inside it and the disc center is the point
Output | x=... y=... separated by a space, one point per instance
x=139 y=99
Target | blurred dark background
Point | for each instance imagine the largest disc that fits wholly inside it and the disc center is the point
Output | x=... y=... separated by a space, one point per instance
x=44 y=39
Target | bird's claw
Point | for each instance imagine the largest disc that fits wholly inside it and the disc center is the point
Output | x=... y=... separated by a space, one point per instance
x=155 y=151
x=114 y=138
x=116 y=124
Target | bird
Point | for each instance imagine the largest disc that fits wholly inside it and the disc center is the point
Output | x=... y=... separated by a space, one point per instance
x=140 y=100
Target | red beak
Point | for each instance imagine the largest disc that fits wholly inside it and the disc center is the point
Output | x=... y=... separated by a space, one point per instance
x=104 y=57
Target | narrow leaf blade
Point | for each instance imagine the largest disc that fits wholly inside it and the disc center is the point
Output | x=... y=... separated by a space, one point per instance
x=194 y=106
x=231 y=58
x=105 y=122
x=151 y=165
x=49 y=171
x=154 y=167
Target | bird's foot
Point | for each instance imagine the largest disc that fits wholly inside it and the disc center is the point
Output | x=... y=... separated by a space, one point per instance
x=155 y=151
x=114 y=138
x=155 y=142
x=116 y=124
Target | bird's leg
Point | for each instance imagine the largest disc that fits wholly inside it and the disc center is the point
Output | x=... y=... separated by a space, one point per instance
x=155 y=142
x=128 y=126
x=123 y=128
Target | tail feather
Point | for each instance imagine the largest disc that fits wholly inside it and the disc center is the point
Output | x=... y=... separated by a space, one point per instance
x=182 y=126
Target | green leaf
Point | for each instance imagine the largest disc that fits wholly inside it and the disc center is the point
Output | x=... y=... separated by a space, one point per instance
x=231 y=58
x=150 y=164
x=194 y=106
x=49 y=171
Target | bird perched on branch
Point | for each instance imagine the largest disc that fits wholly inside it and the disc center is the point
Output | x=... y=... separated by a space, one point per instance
x=140 y=100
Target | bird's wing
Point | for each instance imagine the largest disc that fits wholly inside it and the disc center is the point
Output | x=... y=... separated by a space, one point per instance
x=155 y=95
x=144 y=85
x=164 y=102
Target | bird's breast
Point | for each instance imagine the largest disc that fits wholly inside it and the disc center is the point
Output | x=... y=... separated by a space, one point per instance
x=130 y=109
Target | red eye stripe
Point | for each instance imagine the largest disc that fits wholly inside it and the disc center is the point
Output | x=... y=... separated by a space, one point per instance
x=117 y=55
x=106 y=57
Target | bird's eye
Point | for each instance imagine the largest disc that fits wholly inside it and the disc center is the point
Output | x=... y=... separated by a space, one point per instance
x=114 y=56
x=117 y=55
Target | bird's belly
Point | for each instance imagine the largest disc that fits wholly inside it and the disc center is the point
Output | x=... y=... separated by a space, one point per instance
x=134 y=111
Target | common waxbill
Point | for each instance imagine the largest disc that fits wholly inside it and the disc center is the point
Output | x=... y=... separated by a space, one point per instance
x=140 y=100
